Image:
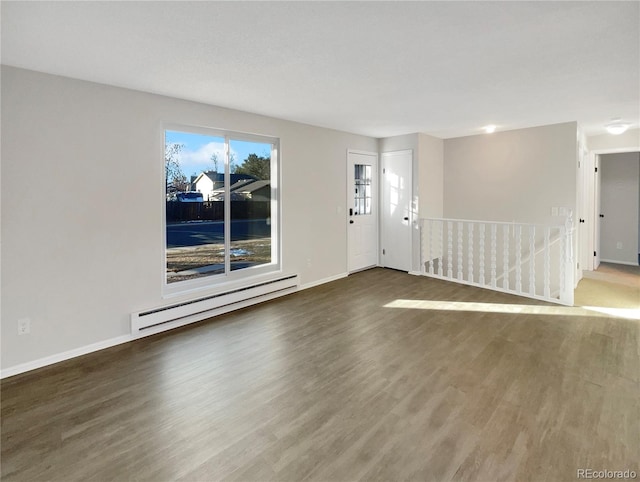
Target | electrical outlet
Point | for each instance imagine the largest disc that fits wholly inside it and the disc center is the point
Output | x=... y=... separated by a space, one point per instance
x=24 y=326
x=618 y=245
x=554 y=211
x=309 y=262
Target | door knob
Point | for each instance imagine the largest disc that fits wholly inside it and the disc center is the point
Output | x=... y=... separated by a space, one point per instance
x=351 y=221
x=406 y=219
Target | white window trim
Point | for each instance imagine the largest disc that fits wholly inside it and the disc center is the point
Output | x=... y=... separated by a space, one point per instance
x=245 y=276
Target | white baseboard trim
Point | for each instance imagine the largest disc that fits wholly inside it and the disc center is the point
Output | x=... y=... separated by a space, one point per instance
x=415 y=273
x=101 y=345
x=323 y=281
x=67 y=355
x=617 y=262
x=154 y=330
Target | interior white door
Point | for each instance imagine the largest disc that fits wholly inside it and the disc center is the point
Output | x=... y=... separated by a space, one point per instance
x=598 y=214
x=362 y=210
x=397 y=185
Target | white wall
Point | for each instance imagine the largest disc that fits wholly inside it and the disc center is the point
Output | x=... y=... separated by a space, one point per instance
x=629 y=141
x=431 y=176
x=427 y=178
x=82 y=228
x=620 y=180
x=514 y=175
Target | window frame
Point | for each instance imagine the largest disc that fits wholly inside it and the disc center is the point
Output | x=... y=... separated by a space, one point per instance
x=229 y=277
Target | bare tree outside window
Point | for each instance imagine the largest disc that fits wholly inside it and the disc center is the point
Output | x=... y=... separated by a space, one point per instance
x=175 y=178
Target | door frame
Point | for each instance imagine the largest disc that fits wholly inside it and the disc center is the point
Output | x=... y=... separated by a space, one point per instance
x=581 y=216
x=348 y=199
x=589 y=189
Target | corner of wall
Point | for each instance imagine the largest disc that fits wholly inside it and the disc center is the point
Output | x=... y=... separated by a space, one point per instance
x=431 y=175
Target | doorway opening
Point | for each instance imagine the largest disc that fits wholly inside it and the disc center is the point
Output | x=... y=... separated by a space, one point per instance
x=617 y=209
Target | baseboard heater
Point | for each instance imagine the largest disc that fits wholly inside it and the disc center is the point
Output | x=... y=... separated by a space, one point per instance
x=167 y=317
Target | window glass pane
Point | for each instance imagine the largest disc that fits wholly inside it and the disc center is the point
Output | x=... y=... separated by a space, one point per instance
x=362 y=189
x=250 y=195
x=194 y=173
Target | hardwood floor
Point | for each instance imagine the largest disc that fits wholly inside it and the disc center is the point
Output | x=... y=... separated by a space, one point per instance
x=344 y=381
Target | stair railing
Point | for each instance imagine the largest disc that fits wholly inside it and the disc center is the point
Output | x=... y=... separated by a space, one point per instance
x=529 y=260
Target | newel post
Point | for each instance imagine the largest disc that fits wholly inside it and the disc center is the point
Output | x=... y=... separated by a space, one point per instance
x=566 y=293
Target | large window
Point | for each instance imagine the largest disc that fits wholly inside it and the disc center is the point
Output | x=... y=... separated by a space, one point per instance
x=221 y=206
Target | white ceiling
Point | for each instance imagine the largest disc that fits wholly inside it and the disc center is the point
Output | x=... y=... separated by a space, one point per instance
x=374 y=68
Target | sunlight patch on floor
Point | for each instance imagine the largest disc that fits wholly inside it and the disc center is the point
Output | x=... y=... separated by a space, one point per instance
x=628 y=313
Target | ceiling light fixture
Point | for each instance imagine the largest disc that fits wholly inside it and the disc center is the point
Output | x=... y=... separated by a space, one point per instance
x=616 y=127
x=490 y=129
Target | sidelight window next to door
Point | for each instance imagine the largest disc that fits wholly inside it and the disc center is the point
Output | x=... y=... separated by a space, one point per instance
x=221 y=206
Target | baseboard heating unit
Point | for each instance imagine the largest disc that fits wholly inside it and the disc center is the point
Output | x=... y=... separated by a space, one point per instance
x=148 y=322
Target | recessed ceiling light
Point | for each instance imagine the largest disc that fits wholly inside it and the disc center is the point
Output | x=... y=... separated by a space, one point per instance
x=490 y=129
x=616 y=127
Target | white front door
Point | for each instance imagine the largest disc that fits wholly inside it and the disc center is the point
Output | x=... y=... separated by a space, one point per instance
x=362 y=210
x=397 y=181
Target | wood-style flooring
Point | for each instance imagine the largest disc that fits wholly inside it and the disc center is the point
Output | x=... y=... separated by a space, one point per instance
x=617 y=274
x=378 y=376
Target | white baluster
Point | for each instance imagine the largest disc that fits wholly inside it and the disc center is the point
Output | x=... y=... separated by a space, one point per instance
x=422 y=228
x=493 y=255
x=562 y=260
x=460 y=259
x=505 y=262
x=450 y=250
x=435 y=249
x=441 y=251
x=547 y=264
x=518 y=229
x=532 y=260
x=470 y=251
x=430 y=247
x=481 y=248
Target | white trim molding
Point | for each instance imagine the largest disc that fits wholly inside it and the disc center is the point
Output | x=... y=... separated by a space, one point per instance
x=66 y=355
x=618 y=262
